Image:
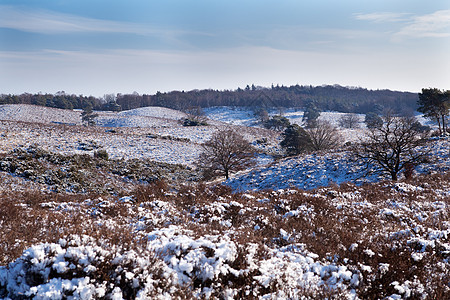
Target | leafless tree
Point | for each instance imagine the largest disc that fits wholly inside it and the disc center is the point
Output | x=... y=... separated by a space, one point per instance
x=394 y=146
x=349 y=121
x=195 y=117
x=227 y=151
x=323 y=136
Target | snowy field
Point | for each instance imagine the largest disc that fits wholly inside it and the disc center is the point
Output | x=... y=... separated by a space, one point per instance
x=245 y=117
x=307 y=227
x=150 y=132
x=156 y=133
x=319 y=170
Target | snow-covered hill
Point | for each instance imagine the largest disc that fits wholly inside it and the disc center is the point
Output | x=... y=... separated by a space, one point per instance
x=154 y=111
x=39 y=114
x=150 y=132
x=322 y=169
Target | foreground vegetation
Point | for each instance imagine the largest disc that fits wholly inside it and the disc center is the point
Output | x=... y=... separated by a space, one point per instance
x=83 y=173
x=370 y=242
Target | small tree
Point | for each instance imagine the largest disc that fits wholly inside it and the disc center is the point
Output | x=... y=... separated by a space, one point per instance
x=88 y=116
x=349 y=121
x=394 y=146
x=311 y=114
x=277 y=122
x=295 y=140
x=373 y=120
x=262 y=115
x=226 y=151
x=324 y=136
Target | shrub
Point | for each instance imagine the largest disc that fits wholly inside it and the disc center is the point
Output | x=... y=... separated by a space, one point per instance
x=101 y=154
x=193 y=122
x=278 y=123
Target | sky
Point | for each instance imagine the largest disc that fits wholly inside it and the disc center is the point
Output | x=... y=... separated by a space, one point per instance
x=101 y=47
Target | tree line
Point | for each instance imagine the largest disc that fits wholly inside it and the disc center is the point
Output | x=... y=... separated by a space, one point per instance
x=325 y=98
x=58 y=100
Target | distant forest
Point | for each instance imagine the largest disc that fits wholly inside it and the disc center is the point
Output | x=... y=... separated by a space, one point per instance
x=325 y=98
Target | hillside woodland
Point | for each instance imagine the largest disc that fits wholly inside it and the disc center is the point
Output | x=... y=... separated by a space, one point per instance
x=121 y=210
x=326 y=98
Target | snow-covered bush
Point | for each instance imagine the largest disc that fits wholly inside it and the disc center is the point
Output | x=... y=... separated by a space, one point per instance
x=83 y=268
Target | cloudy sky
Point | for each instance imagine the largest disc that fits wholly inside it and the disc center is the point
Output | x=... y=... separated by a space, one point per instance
x=96 y=47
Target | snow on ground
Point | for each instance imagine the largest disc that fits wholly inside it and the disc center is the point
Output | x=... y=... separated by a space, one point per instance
x=144 y=117
x=38 y=114
x=246 y=117
x=126 y=143
x=150 y=132
x=204 y=244
x=224 y=265
x=232 y=115
x=154 y=111
x=316 y=170
x=156 y=133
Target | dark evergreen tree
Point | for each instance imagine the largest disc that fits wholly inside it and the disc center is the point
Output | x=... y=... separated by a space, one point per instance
x=295 y=140
x=311 y=114
x=277 y=122
x=88 y=116
x=435 y=104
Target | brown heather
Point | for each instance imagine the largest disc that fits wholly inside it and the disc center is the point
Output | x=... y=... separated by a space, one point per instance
x=328 y=226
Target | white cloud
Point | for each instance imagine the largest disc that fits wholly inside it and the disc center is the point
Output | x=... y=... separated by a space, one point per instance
x=436 y=24
x=383 y=17
x=50 y=22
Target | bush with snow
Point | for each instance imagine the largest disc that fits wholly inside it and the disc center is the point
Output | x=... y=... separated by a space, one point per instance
x=83 y=268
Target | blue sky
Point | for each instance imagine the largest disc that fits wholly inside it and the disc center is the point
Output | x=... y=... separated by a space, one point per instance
x=98 y=47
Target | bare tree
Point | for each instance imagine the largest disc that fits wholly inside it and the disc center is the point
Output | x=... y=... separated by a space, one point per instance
x=394 y=146
x=323 y=136
x=349 y=121
x=195 y=117
x=226 y=151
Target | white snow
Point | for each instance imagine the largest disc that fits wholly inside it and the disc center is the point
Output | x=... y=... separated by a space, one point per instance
x=184 y=256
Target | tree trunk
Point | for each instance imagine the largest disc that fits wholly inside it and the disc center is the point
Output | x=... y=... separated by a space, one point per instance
x=444 y=127
x=394 y=176
x=439 y=124
x=227 y=174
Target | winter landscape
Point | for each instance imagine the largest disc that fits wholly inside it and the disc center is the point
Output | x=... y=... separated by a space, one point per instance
x=142 y=223
x=224 y=150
